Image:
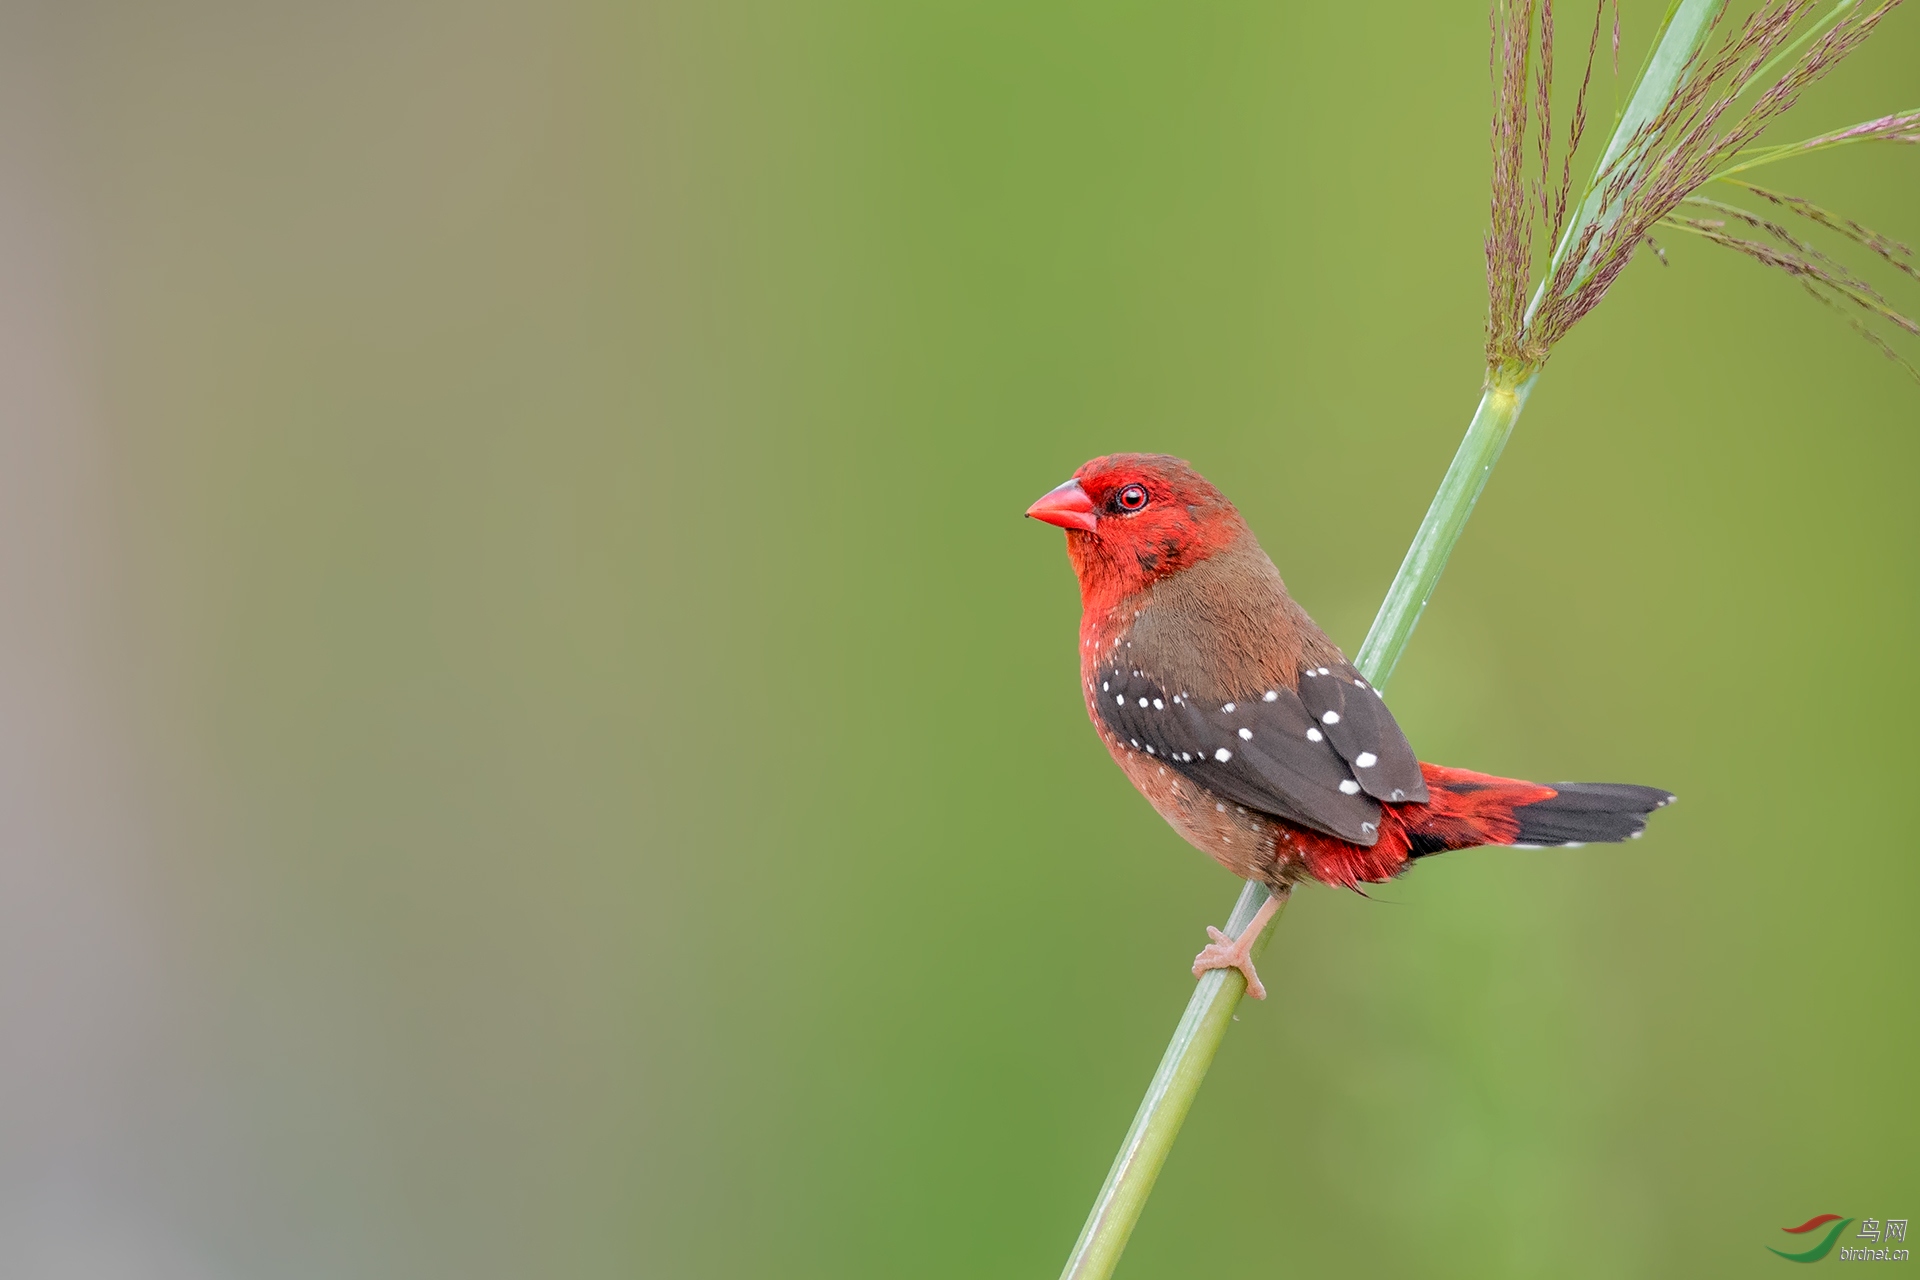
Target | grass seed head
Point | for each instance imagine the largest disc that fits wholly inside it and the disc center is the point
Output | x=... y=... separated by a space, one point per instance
x=1706 y=129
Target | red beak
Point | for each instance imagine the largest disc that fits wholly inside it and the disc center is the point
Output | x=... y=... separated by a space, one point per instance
x=1068 y=506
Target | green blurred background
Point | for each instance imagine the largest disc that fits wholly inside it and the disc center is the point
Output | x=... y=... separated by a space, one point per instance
x=537 y=742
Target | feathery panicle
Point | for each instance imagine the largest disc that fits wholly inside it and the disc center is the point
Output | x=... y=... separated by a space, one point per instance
x=1903 y=126
x=1790 y=254
x=1896 y=253
x=1824 y=279
x=1543 y=84
x=1509 y=243
x=1829 y=281
x=1577 y=130
x=1702 y=132
x=1866 y=331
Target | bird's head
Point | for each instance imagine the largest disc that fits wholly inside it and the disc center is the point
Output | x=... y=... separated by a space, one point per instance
x=1134 y=518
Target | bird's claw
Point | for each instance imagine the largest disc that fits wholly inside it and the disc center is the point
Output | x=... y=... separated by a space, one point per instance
x=1225 y=952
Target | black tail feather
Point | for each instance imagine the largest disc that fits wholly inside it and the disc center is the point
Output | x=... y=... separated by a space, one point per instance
x=1588 y=813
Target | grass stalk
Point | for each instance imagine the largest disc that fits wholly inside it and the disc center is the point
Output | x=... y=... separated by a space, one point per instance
x=1171 y=1092
x=1202 y=1028
x=1407 y=596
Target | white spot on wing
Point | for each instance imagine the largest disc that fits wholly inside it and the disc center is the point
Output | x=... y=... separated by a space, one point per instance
x=1365 y=760
x=1330 y=717
x=1349 y=787
x=1223 y=755
x=1246 y=735
x=1269 y=695
x=1313 y=735
x=1228 y=708
x=1159 y=705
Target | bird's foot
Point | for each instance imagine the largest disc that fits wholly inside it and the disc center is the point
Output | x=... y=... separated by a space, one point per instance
x=1237 y=953
x=1231 y=953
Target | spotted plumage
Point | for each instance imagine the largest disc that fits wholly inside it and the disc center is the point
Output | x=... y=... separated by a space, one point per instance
x=1244 y=725
x=1266 y=752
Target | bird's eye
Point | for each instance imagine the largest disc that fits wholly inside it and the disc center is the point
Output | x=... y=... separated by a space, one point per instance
x=1132 y=498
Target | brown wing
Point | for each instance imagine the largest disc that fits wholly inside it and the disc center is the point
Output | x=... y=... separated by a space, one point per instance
x=1362 y=730
x=1267 y=751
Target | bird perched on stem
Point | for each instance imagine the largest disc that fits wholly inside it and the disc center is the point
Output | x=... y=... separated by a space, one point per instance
x=1237 y=719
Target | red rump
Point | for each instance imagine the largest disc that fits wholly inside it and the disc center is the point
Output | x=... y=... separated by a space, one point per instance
x=1466 y=810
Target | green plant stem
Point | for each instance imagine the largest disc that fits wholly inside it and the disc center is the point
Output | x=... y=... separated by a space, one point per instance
x=1176 y=1082
x=1446 y=518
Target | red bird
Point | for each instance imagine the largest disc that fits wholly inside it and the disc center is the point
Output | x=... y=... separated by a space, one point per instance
x=1238 y=720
